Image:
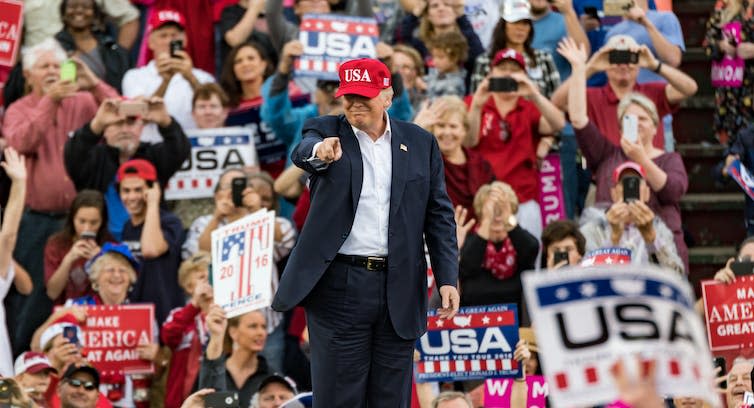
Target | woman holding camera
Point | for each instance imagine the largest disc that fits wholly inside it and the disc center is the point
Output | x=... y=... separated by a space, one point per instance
x=84 y=232
x=493 y=257
x=665 y=172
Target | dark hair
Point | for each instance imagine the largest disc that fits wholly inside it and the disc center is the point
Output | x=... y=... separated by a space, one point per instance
x=204 y=92
x=453 y=43
x=98 y=21
x=228 y=79
x=558 y=231
x=500 y=41
x=86 y=199
x=747 y=241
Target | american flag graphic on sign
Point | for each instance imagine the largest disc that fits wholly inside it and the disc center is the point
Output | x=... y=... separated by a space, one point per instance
x=242 y=263
x=330 y=40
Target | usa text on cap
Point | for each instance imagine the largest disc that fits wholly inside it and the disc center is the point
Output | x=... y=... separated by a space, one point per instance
x=365 y=77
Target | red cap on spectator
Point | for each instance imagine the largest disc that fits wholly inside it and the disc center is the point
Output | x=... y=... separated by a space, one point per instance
x=365 y=77
x=137 y=168
x=32 y=362
x=509 y=54
x=166 y=16
x=629 y=165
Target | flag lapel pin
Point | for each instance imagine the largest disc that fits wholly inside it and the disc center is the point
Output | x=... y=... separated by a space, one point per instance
x=404 y=148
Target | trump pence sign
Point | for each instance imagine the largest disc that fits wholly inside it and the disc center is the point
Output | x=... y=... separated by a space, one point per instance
x=588 y=319
x=475 y=344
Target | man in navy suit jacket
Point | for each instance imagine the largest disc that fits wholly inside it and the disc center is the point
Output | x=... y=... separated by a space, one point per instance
x=377 y=194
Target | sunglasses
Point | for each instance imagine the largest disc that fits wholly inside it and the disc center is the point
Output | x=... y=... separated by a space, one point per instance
x=88 y=385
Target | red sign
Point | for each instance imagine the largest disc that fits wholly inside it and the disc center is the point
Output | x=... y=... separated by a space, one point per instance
x=729 y=311
x=111 y=335
x=11 y=20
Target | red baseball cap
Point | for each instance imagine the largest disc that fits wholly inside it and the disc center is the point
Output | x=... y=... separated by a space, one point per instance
x=32 y=363
x=365 y=77
x=625 y=166
x=162 y=17
x=137 y=168
x=509 y=54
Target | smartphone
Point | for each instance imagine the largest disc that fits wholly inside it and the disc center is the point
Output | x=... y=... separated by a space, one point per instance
x=616 y=7
x=592 y=12
x=560 y=256
x=503 y=84
x=176 y=45
x=630 y=127
x=132 y=108
x=6 y=391
x=720 y=362
x=623 y=57
x=237 y=186
x=68 y=71
x=71 y=334
x=742 y=268
x=221 y=399
x=631 y=186
x=90 y=235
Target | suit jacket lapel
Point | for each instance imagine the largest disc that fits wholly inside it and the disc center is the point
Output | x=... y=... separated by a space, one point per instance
x=400 y=159
x=351 y=149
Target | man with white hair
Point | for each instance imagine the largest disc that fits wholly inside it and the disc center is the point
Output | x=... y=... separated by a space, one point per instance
x=739 y=382
x=37 y=126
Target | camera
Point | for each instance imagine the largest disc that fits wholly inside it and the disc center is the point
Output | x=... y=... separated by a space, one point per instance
x=616 y=7
x=631 y=186
x=503 y=84
x=175 y=45
x=237 y=187
x=132 y=108
x=221 y=399
x=623 y=57
x=90 y=235
x=560 y=256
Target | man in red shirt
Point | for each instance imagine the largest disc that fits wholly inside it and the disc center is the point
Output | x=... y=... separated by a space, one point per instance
x=602 y=102
x=512 y=130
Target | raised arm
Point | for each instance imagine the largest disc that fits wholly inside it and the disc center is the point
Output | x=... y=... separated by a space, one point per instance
x=668 y=52
x=680 y=86
x=243 y=29
x=15 y=167
x=576 y=55
x=572 y=23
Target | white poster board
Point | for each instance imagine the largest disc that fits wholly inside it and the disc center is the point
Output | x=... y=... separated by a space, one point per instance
x=212 y=152
x=587 y=319
x=242 y=263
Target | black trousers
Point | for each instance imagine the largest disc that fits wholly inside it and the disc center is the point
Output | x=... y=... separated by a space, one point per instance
x=357 y=358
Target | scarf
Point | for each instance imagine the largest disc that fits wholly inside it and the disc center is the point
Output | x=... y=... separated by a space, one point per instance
x=502 y=263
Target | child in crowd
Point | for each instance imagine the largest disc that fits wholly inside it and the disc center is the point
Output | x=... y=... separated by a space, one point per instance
x=449 y=51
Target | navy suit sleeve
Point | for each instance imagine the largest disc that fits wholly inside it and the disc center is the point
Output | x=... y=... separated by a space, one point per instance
x=440 y=225
x=311 y=136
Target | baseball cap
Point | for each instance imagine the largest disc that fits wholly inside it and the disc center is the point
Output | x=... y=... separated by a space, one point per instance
x=32 y=362
x=509 y=54
x=120 y=249
x=628 y=166
x=57 y=327
x=81 y=368
x=305 y=400
x=516 y=10
x=365 y=77
x=621 y=42
x=277 y=378
x=137 y=168
x=163 y=17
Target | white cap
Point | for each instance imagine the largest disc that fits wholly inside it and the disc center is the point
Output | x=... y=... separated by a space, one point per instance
x=621 y=42
x=516 y=10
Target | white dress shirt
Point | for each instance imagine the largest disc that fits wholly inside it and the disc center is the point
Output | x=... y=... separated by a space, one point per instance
x=369 y=232
x=144 y=81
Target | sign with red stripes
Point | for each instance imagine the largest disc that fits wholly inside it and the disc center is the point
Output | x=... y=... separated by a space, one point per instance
x=477 y=343
x=11 y=27
x=212 y=152
x=590 y=318
x=331 y=39
x=242 y=263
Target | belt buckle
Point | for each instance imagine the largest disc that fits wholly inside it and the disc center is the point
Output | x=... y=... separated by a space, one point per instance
x=372 y=262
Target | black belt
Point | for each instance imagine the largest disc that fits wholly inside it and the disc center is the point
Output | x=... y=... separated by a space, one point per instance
x=371 y=263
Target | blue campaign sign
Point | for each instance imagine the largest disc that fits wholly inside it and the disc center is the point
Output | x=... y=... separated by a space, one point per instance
x=477 y=343
x=331 y=39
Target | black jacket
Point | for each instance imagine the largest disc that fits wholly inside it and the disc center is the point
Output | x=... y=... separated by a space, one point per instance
x=91 y=163
x=114 y=57
x=479 y=286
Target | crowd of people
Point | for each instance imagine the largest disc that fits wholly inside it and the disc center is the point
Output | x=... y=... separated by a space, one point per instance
x=86 y=159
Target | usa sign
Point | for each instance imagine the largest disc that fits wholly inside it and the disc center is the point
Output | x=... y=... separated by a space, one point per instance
x=111 y=335
x=590 y=318
x=242 y=263
x=331 y=39
x=477 y=343
x=11 y=22
x=729 y=314
x=212 y=152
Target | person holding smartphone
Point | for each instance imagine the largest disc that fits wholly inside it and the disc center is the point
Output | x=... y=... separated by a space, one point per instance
x=630 y=223
x=664 y=172
x=562 y=244
x=84 y=232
